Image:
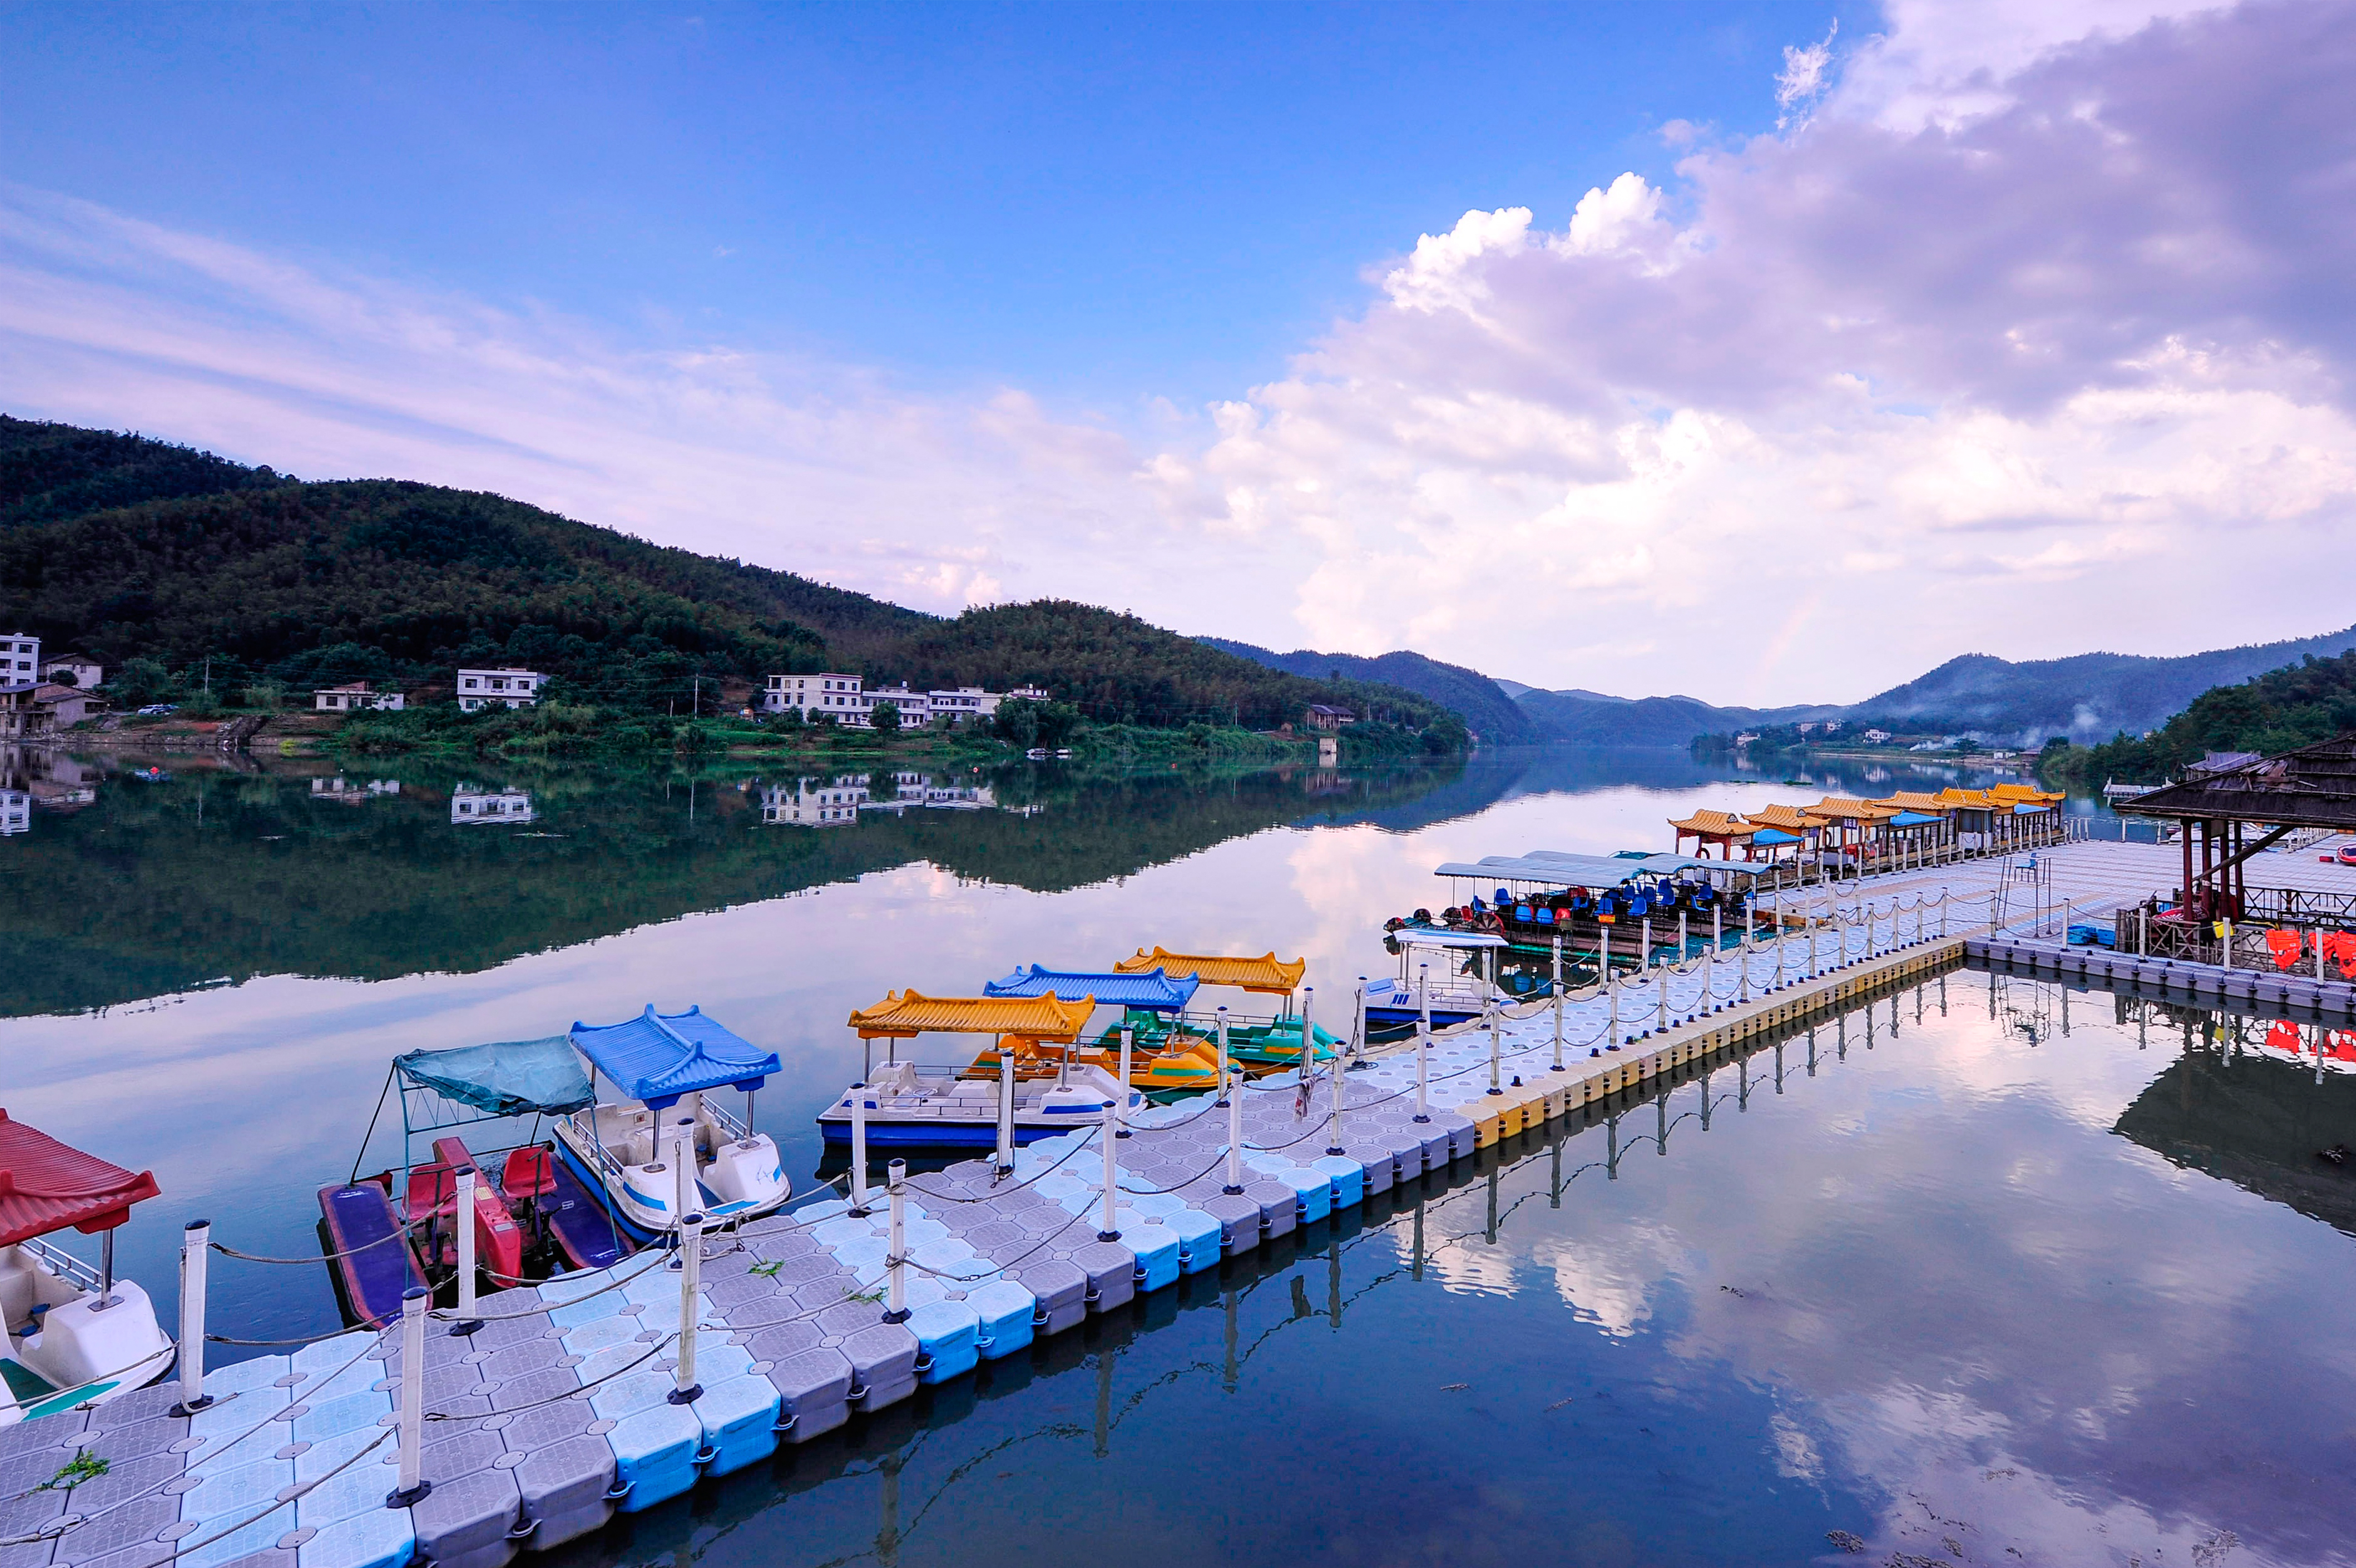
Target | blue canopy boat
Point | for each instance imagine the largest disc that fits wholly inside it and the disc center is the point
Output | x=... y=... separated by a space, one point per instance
x=664 y=1148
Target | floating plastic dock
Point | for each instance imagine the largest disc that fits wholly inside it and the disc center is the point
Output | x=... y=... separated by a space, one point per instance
x=558 y=1410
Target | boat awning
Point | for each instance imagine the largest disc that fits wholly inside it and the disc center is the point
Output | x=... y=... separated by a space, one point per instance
x=510 y=1078
x=1915 y=820
x=1773 y=836
x=1557 y=872
x=1421 y=936
x=904 y=1015
x=657 y=1057
x=1267 y=973
x=1153 y=990
x=46 y=1186
x=1668 y=865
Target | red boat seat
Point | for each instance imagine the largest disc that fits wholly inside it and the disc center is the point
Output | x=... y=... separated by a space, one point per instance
x=530 y=1172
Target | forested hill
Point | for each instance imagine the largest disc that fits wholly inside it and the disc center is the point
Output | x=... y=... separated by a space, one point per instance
x=2309 y=701
x=131 y=549
x=1484 y=705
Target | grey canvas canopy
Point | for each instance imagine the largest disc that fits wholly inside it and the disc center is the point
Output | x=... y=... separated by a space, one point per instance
x=509 y=1078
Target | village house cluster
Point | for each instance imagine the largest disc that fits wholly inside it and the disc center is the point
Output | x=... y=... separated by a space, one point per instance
x=831 y=694
x=37 y=697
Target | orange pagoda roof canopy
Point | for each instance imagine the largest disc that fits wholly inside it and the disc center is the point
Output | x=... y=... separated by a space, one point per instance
x=904 y=1015
x=1267 y=973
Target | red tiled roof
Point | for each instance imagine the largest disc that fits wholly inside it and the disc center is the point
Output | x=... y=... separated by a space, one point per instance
x=45 y=1185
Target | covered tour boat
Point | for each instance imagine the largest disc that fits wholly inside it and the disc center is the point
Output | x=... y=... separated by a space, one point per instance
x=1643 y=902
x=1264 y=1041
x=76 y=1335
x=1397 y=1006
x=664 y=1148
x=908 y=1107
x=1165 y=1059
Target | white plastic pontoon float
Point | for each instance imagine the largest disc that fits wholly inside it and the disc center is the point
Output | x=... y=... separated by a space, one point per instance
x=665 y=1149
x=76 y=1335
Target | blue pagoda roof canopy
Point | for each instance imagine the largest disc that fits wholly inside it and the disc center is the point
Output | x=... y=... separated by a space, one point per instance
x=655 y=1058
x=1153 y=990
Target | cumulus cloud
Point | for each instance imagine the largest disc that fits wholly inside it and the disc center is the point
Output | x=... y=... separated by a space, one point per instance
x=2026 y=341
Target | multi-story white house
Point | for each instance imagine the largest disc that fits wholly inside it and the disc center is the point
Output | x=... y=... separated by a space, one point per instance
x=853 y=706
x=471 y=803
x=359 y=697
x=20 y=658
x=480 y=688
x=829 y=691
x=815 y=803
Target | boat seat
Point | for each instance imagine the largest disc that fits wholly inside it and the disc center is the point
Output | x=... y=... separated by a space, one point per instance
x=528 y=1173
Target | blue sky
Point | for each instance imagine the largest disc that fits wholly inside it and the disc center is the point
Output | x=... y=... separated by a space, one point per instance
x=1531 y=338
x=1121 y=200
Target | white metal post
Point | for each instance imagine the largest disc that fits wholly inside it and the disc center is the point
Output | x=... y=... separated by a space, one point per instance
x=684 y=1389
x=411 y=1485
x=1308 y=1034
x=1423 y=1067
x=1235 y=1104
x=1558 y=1001
x=1489 y=1005
x=683 y=1156
x=1109 y=1230
x=1333 y=1137
x=196 y=1240
x=1750 y=939
x=1223 y=1053
x=468 y=1322
x=1128 y=1043
x=1709 y=964
x=859 y=1093
x=1423 y=993
x=1005 y=1112
x=1610 y=990
x=896 y=1261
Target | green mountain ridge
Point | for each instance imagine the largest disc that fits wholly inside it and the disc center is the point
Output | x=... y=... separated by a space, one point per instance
x=131 y=549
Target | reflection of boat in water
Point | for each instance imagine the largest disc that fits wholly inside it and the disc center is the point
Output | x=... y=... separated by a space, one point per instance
x=665 y=1149
x=75 y=1336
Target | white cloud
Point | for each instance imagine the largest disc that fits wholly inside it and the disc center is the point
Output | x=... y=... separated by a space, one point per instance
x=2026 y=365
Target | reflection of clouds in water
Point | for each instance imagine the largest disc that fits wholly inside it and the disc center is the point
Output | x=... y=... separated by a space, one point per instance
x=1948 y=1265
x=1612 y=1286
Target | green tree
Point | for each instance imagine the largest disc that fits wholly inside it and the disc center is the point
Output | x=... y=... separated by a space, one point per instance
x=886 y=719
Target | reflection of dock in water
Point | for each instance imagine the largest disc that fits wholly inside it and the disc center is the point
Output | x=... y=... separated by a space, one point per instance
x=2235 y=1104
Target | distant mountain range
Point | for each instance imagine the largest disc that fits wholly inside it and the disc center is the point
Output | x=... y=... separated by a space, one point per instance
x=2089 y=696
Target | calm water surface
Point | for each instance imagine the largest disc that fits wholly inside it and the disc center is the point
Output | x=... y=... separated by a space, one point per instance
x=1979 y=1288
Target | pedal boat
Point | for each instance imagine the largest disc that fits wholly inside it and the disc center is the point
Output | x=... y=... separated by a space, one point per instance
x=663 y=1148
x=946 y=1107
x=1266 y=1042
x=75 y=1336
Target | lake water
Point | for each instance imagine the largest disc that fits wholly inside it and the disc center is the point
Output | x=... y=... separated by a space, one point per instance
x=1979 y=1288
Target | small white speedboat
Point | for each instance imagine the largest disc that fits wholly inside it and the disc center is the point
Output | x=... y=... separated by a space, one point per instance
x=76 y=1335
x=663 y=1148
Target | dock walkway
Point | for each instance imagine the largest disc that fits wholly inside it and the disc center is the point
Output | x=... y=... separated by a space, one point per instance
x=559 y=1412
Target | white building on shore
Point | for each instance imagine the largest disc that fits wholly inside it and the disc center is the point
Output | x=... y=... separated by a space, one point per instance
x=845 y=698
x=480 y=688
x=357 y=698
x=20 y=658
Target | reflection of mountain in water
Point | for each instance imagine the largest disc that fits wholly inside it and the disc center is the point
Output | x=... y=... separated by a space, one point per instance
x=154 y=887
x=2256 y=1122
